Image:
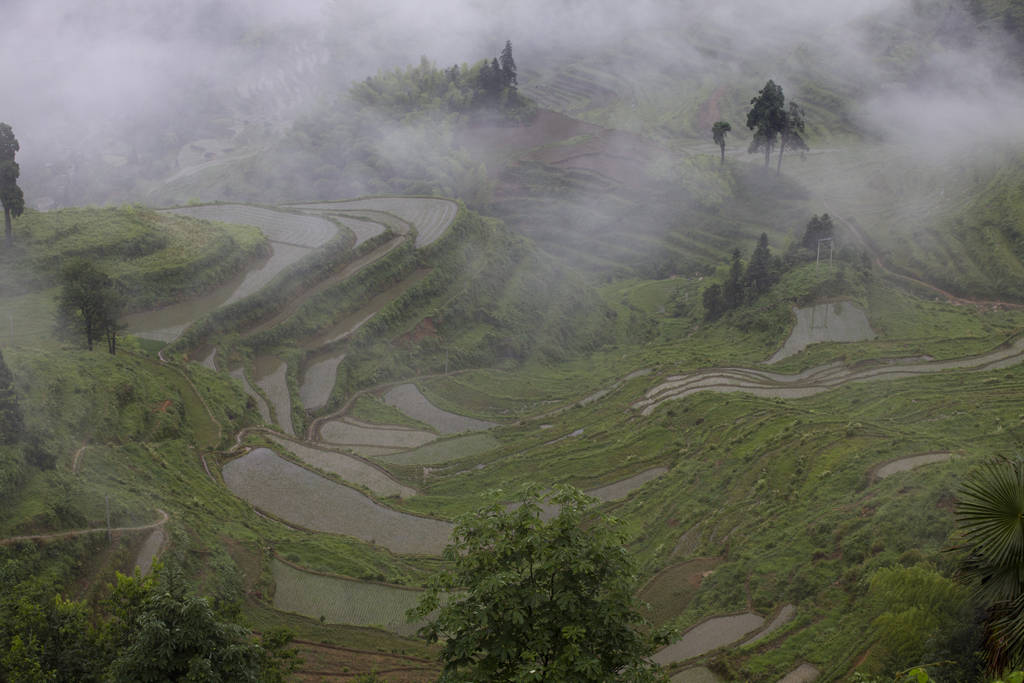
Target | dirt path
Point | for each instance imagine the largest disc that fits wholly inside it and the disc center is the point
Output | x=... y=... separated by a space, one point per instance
x=883 y=266
x=82 y=532
x=77 y=456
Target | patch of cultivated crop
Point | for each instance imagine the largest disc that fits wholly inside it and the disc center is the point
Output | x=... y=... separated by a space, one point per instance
x=279 y=226
x=349 y=468
x=347 y=432
x=430 y=216
x=408 y=399
x=271 y=378
x=303 y=498
x=835 y=321
x=343 y=601
x=445 y=451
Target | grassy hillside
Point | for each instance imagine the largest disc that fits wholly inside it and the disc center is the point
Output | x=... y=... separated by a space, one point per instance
x=566 y=340
x=157 y=257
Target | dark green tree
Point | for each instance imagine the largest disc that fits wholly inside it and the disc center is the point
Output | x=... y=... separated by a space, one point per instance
x=535 y=600
x=819 y=227
x=89 y=302
x=761 y=273
x=161 y=633
x=791 y=134
x=990 y=514
x=718 y=132
x=10 y=194
x=11 y=423
x=732 y=292
x=508 y=66
x=51 y=639
x=767 y=118
x=714 y=306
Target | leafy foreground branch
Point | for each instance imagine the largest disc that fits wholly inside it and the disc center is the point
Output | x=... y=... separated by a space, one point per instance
x=150 y=629
x=529 y=599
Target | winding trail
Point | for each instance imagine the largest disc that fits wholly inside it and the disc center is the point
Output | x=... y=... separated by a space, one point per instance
x=82 y=532
x=884 y=267
x=77 y=456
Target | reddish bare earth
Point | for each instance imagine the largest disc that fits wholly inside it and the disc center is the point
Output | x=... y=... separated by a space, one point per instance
x=620 y=156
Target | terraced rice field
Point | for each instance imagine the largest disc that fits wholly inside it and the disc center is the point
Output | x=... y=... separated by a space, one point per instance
x=343 y=601
x=356 y=319
x=784 y=616
x=805 y=673
x=430 y=216
x=709 y=635
x=318 y=381
x=348 y=432
x=306 y=231
x=208 y=359
x=815 y=380
x=345 y=273
x=614 y=491
x=270 y=376
x=352 y=469
x=448 y=450
x=408 y=399
x=834 y=322
x=306 y=499
x=695 y=674
x=670 y=591
x=362 y=229
x=291 y=236
x=261 y=405
x=166 y=324
x=397 y=225
x=912 y=462
x=620 y=489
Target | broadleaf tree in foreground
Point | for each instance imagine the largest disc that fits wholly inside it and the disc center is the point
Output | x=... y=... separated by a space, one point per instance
x=529 y=599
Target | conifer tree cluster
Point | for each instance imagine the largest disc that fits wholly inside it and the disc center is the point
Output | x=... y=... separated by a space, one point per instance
x=743 y=284
x=487 y=84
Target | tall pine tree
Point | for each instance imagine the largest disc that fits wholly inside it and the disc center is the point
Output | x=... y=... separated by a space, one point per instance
x=508 y=66
x=760 y=275
x=11 y=422
x=10 y=194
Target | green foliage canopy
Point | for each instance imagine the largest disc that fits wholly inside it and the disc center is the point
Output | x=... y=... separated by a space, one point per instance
x=90 y=301
x=767 y=118
x=536 y=600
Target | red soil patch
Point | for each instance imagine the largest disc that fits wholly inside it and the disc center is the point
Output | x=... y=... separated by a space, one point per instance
x=162 y=408
x=331 y=662
x=424 y=328
x=620 y=156
x=709 y=112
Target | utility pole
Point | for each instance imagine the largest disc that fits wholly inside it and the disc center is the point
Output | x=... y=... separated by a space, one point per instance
x=107 y=498
x=820 y=243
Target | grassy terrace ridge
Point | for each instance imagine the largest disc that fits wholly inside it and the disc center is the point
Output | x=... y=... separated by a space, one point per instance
x=158 y=258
